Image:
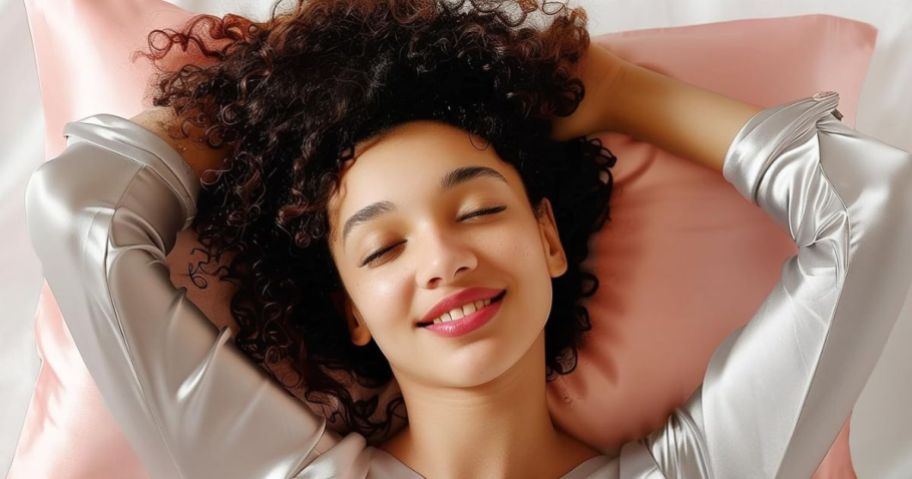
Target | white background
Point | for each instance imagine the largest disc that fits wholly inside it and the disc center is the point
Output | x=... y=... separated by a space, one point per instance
x=880 y=440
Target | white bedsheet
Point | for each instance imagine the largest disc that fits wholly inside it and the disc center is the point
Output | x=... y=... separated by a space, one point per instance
x=881 y=429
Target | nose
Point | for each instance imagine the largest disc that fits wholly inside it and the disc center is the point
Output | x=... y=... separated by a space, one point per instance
x=444 y=255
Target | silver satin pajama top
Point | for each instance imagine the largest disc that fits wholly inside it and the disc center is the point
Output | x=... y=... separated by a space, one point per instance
x=104 y=213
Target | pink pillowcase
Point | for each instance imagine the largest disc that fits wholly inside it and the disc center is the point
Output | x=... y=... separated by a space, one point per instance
x=684 y=261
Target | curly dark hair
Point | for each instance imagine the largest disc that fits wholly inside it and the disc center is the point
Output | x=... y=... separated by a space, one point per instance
x=291 y=96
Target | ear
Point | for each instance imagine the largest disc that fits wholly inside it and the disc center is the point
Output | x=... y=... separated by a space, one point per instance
x=554 y=251
x=357 y=328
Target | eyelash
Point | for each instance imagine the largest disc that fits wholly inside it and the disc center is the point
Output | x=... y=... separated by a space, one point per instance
x=482 y=212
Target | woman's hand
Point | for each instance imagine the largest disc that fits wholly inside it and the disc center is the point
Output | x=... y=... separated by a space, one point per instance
x=681 y=118
x=599 y=70
x=198 y=155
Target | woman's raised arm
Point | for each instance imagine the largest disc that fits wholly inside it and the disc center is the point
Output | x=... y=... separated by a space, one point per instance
x=102 y=217
x=681 y=118
x=777 y=391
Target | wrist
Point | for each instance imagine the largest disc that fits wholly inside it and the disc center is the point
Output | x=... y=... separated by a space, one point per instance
x=609 y=92
x=682 y=118
x=599 y=69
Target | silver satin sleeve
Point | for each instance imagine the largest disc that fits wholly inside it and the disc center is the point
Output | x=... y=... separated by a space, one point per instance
x=102 y=216
x=778 y=390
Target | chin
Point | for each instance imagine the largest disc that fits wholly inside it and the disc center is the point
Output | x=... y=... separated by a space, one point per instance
x=483 y=362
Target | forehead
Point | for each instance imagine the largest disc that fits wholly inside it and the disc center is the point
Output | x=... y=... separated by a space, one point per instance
x=421 y=135
x=410 y=155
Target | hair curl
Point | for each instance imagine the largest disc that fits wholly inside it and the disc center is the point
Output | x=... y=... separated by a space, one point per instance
x=291 y=96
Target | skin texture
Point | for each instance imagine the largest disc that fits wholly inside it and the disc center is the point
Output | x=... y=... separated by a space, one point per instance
x=476 y=403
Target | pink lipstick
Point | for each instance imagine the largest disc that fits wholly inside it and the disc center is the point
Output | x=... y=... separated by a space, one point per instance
x=468 y=323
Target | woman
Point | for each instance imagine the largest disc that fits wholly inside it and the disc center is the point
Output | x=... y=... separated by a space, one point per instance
x=378 y=165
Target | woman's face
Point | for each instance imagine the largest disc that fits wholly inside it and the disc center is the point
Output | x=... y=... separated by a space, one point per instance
x=421 y=246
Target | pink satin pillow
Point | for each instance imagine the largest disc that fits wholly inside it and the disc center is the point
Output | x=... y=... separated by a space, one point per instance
x=684 y=261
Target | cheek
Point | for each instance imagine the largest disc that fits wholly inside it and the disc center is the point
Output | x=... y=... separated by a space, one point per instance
x=520 y=252
x=384 y=303
x=386 y=310
x=522 y=257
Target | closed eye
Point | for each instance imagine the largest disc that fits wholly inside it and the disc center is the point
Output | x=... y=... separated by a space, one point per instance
x=484 y=211
x=379 y=253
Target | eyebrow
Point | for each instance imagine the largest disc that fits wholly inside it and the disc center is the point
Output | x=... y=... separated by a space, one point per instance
x=449 y=181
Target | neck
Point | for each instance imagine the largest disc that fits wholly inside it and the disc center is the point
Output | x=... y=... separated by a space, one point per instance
x=498 y=429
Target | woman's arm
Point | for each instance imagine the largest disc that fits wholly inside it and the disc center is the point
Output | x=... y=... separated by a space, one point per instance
x=102 y=217
x=777 y=391
x=677 y=116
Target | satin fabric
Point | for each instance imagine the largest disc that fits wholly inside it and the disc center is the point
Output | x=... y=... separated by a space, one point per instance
x=104 y=213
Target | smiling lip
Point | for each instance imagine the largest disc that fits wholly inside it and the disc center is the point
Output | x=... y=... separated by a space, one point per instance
x=468 y=323
x=457 y=300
